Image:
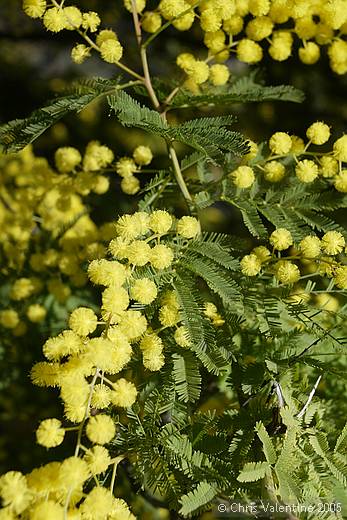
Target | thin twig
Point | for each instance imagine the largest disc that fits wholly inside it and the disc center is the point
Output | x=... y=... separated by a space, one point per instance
x=310 y=397
x=156 y=103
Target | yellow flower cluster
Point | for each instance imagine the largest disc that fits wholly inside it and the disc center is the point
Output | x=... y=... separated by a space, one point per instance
x=55 y=491
x=46 y=229
x=85 y=363
x=126 y=167
x=57 y=17
x=321 y=255
x=246 y=27
x=289 y=154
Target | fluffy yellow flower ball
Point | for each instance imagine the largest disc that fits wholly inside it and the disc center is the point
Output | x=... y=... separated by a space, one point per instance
x=50 y=433
x=168 y=315
x=274 y=171
x=125 y=167
x=340 y=277
x=22 y=289
x=104 y=272
x=34 y=8
x=259 y=28
x=97 y=156
x=340 y=182
x=250 y=265
x=36 y=313
x=105 y=34
x=67 y=342
x=171 y=8
x=328 y=166
x=333 y=243
x=98 y=459
x=310 y=247
x=318 y=133
x=139 y=5
x=306 y=171
x=91 y=21
x=115 y=299
x=340 y=149
x=100 y=429
x=262 y=253
x=139 y=253
x=184 y=22
x=73 y=473
x=124 y=393
x=130 y=185
x=133 y=324
x=143 y=155
x=219 y=74
x=182 y=337
x=248 y=51
x=160 y=222
x=73 y=17
x=281 y=239
x=153 y=361
x=287 y=272
x=243 y=177
x=215 y=41
x=111 y=51
x=188 y=227
x=259 y=7
x=185 y=61
x=233 y=25
x=144 y=291
x=14 y=491
x=199 y=71
x=151 y=21
x=101 y=397
x=151 y=342
x=83 y=321
x=54 y=20
x=310 y=53
x=98 y=504
x=210 y=20
x=118 y=247
x=80 y=53
x=161 y=256
x=47 y=509
x=280 y=143
x=298 y=145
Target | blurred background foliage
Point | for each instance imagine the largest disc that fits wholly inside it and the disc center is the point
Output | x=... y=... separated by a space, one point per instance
x=36 y=66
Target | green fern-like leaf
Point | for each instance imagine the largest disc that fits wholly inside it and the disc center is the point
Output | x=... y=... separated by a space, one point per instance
x=341 y=443
x=17 y=134
x=242 y=90
x=186 y=376
x=203 y=494
x=253 y=471
x=217 y=279
x=215 y=252
x=268 y=447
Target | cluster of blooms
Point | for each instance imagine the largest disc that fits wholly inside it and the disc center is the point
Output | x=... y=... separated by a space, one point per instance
x=85 y=362
x=58 y=17
x=240 y=26
x=127 y=166
x=245 y=25
x=316 y=255
x=46 y=228
x=289 y=154
x=41 y=206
